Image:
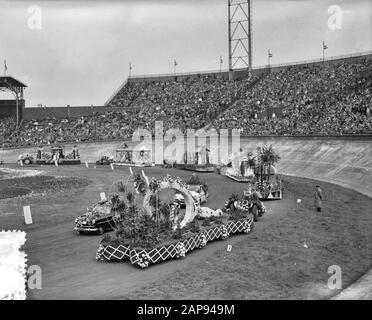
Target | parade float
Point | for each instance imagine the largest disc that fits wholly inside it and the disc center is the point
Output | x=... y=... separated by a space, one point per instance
x=249 y=203
x=149 y=230
x=257 y=171
x=133 y=157
x=56 y=155
x=195 y=161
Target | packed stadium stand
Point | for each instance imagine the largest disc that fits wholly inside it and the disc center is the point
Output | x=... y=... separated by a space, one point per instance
x=330 y=99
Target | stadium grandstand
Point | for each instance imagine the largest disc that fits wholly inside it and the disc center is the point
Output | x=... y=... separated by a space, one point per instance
x=331 y=97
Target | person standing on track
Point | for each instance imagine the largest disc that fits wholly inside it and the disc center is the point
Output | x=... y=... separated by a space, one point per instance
x=318 y=198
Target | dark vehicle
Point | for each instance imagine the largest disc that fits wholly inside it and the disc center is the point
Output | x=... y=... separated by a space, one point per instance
x=198 y=193
x=105 y=160
x=97 y=220
x=25 y=159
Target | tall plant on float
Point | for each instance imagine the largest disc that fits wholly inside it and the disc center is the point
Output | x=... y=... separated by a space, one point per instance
x=267 y=158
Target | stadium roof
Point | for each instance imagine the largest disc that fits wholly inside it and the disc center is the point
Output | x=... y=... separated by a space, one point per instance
x=10 y=82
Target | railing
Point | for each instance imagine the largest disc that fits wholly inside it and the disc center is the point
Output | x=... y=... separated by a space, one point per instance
x=163 y=75
x=320 y=60
x=352 y=55
x=116 y=92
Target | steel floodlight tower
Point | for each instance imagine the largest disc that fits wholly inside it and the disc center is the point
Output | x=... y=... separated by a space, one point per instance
x=240 y=35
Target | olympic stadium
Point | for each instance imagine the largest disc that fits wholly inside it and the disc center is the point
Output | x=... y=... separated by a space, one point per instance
x=293 y=139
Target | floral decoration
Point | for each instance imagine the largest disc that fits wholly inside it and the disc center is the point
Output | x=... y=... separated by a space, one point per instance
x=181 y=250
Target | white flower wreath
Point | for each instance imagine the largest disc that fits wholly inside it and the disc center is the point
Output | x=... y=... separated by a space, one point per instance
x=181 y=250
x=203 y=241
x=246 y=226
x=143 y=259
x=224 y=233
x=99 y=254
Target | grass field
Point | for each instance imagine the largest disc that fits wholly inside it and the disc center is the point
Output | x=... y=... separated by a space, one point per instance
x=38 y=185
x=285 y=257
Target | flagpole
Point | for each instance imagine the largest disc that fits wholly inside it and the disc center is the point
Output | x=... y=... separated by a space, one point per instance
x=324 y=49
x=269 y=56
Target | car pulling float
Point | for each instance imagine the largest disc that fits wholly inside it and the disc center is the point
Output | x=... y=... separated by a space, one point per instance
x=198 y=190
x=25 y=159
x=98 y=219
x=105 y=160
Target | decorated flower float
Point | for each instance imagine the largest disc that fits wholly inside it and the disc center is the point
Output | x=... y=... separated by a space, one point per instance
x=258 y=171
x=197 y=161
x=151 y=230
x=133 y=157
x=57 y=155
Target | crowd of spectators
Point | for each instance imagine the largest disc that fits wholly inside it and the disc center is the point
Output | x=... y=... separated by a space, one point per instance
x=316 y=99
x=187 y=103
x=324 y=99
x=7 y=127
x=108 y=126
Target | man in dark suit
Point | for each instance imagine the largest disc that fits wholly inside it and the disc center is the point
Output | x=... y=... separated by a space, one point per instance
x=318 y=198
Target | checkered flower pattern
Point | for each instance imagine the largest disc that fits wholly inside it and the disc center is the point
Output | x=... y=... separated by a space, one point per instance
x=145 y=257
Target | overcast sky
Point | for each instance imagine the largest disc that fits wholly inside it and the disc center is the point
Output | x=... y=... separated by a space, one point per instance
x=82 y=52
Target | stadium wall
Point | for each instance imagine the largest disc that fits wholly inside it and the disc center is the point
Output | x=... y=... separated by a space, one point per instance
x=8 y=108
x=346 y=161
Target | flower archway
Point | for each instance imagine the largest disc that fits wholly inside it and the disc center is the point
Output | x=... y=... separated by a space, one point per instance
x=173 y=184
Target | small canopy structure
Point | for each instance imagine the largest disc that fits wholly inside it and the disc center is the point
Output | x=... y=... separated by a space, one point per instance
x=10 y=84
